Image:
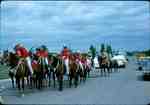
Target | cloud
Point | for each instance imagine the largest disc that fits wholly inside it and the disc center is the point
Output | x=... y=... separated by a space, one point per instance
x=81 y=23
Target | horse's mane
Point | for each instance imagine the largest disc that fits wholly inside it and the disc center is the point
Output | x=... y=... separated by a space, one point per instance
x=54 y=61
x=13 y=60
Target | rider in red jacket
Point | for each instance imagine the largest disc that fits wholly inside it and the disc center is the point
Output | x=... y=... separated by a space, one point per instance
x=43 y=53
x=78 y=56
x=23 y=53
x=65 y=53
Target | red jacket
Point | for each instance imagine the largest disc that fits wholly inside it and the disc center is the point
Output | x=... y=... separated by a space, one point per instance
x=42 y=53
x=22 y=52
x=38 y=53
x=65 y=53
x=78 y=57
x=83 y=61
x=45 y=53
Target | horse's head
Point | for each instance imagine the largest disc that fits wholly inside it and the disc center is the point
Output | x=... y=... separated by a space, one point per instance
x=13 y=60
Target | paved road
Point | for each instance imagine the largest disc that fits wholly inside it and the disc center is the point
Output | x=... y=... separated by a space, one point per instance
x=121 y=87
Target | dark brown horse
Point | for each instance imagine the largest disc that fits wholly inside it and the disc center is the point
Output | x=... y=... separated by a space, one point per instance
x=73 y=71
x=57 y=70
x=104 y=64
x=18 y=70
x=84 y=70
x=41 y=72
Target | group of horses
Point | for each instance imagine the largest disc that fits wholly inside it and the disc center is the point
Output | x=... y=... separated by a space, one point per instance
x=107 y=65
x=44 y=74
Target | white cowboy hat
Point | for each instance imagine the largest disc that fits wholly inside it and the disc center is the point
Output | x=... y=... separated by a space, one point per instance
x=18 y=45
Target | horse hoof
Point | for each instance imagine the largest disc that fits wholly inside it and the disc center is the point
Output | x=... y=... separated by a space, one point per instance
x=60 y=89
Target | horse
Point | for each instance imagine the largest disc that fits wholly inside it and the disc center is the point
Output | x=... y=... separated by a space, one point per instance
x=88 y=66
x=13 y=61
x=113 y=65
x=73 y=71
x=104 y=64
x=18 y=70
x=57 y=70
x=42 y=72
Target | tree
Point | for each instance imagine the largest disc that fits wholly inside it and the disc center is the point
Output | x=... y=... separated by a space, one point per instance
x=109 y=49
x=102 y=47
x=93 y=51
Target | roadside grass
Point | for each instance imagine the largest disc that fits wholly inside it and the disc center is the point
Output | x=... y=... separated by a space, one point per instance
x=3 y=72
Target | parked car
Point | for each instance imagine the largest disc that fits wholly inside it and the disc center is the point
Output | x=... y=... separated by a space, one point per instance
x=121 y=60
x=144 y=63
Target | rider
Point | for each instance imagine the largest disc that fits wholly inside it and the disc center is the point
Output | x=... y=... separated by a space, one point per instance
x=78 y=59
x=43 y=53
x=23 y=53
x=65 y=53
x=83 y=60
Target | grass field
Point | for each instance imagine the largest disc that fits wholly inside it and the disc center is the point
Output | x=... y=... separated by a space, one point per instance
x=3 y=72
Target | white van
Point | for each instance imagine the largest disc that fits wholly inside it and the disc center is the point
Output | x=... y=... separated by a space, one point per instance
x=121 y=60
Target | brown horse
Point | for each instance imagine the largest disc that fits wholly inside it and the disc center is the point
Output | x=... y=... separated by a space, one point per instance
x=73 y=71
x=18 y=70
x=104 y=64
x=84 y=70
x=60 y=68
x=41 y=72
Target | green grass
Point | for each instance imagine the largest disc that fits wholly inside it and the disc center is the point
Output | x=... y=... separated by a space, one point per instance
x=3 y=72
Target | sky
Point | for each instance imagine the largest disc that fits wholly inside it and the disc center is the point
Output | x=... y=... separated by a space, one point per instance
x=78 y=24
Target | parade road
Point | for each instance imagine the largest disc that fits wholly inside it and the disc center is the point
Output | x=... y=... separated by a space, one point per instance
x=122 y=87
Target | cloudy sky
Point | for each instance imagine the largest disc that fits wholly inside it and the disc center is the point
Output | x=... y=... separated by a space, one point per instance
x=123 y=24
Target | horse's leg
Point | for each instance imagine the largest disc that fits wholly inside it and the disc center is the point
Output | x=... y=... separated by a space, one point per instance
x=49 y=77
x=11 y=75
x=84 y=75
x=39 y=81
x=18 y=82
x=54 y=79
x=70 y=80
x=88 y=73
x=28 y=81
x=76 y=80
x=116 y=68
x=12 y=80
x=110 y=68
x=107 y=67
x=80 y=75
x=104 y=70
x=23 y=83
x=42 y=78
x=31 y=82
x=47 y=80
x=60 y=78
x=36 y=81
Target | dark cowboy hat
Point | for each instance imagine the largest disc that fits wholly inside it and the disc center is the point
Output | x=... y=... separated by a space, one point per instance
x=43 y=47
